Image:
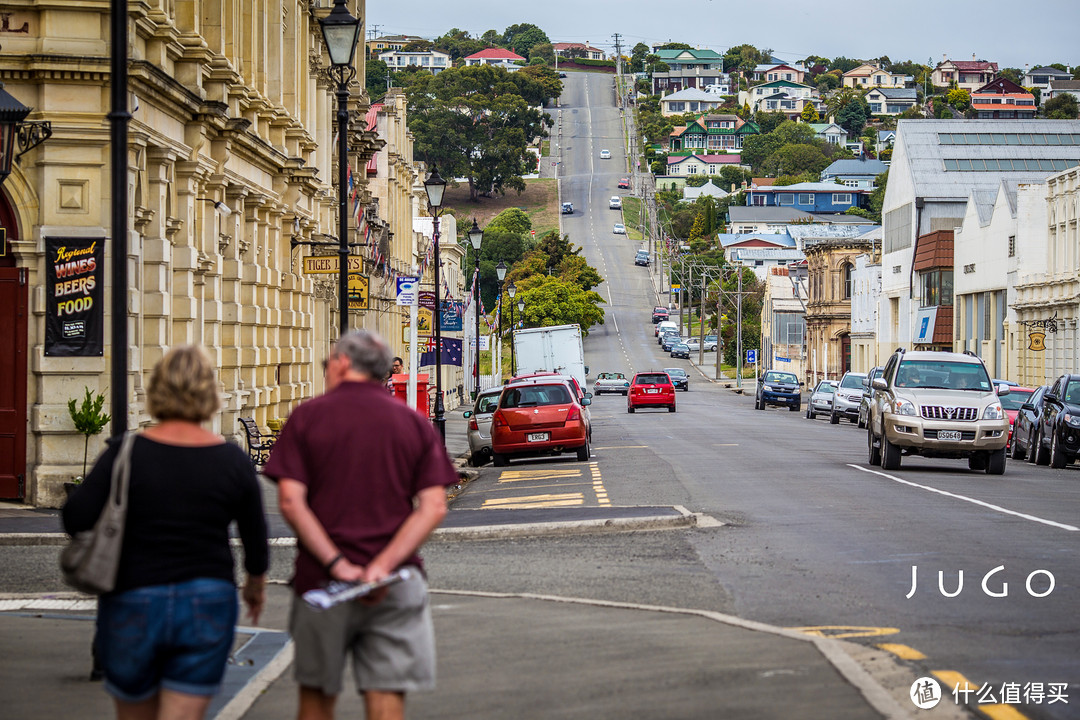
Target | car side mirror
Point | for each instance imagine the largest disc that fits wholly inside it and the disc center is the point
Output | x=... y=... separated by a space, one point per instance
x=586 y=369
x=1051 y=397
x=879 y=384
x=467 y=414
x=586 y=401
x=801 y=383
x=588 y=395
x=1028 y=406
x=1003 y=390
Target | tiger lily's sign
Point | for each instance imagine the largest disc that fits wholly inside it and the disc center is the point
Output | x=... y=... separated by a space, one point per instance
x=327 y=264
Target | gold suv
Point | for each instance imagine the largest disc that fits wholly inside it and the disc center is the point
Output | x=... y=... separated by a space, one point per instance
x=937 y=404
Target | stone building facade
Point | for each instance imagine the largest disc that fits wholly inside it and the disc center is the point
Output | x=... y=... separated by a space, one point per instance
x=830 y=279
x=231 y=159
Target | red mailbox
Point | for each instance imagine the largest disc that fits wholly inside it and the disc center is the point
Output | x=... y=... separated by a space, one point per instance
x=401 y=391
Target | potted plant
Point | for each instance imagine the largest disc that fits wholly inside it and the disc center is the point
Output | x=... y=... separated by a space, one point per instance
x=89 y=420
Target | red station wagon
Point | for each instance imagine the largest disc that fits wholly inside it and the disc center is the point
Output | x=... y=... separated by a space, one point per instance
x=651 y=389
x=539 y=418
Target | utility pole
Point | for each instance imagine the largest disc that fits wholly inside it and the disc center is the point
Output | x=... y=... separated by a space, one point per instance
x=738 y=333
x=618 y=67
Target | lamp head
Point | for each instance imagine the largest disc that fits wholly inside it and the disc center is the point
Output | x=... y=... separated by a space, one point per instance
x=435 y=186
x=341 y=32
x=476 y=235
x=521 y=306
x=511 y=290
x=500 y=271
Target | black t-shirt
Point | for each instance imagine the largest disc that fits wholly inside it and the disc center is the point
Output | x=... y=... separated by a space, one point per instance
x=180 y=504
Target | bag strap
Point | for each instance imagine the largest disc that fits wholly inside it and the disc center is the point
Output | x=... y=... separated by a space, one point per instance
x=121 y=471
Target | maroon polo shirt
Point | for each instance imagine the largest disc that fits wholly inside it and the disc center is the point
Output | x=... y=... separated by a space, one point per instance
x=363 y=455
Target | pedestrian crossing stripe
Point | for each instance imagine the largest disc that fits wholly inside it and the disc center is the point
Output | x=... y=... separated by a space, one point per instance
x=535 y=501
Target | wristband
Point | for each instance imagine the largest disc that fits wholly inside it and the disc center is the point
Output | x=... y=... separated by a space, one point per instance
x=329 y=565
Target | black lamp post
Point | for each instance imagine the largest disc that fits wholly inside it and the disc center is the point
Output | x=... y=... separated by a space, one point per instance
x=500 y=274
x=476 y=237
x=511 y=291
x=341 y=31
x=434 y=186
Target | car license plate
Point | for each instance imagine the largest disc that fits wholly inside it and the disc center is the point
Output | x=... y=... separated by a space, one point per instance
x=949 y=435
x=536 y=437
x=652 y=391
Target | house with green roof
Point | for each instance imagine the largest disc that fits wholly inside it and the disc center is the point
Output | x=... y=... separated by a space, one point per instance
x=711 y=133
x=690 y=59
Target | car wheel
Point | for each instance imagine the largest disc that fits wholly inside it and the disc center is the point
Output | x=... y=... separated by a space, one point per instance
x=671 y=408
x=1058 y=458
x=873 y=450
x=761 y=404
x=1031 y=447
x=1042 y=455
x=499 y=460
x=794 y=408
x=890 y=455
x=1016 y=452
x=995 y=462
x=583 y=452
x=834 y=419
x=809 y=413
x=861 y=424
x=977 y=462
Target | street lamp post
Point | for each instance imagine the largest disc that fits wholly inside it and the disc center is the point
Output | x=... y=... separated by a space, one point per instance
x=511 y=290
x=476 y=237
x=435 y=186
x=500 y=274
x=341 y=31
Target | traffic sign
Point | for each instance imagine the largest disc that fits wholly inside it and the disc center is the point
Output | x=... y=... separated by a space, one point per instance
x=751 y=357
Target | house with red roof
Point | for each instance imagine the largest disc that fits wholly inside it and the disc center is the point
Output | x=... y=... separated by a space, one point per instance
x=1003 y=99
x=968 y=75
x=499 y=57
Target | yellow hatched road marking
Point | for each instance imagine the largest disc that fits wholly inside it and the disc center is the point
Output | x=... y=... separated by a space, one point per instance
x=621 y=447
x=537 y=500
x=846 y=631
x=997 y=711
x=903 y=652
x=547 y=472
x=553 y=476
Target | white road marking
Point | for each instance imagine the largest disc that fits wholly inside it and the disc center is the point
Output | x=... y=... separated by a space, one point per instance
x=965 y=498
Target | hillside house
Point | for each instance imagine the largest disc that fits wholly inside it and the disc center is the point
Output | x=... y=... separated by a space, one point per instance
x=968 y=75
x=712 y=133
x=1003 y=99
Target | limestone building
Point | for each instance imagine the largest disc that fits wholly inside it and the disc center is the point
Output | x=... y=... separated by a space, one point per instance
x=830 y=277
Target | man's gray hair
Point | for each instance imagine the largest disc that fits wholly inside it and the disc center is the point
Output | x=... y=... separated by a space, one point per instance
x=367 y=352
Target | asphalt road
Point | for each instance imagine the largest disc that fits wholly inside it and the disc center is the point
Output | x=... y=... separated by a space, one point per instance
x=813 y=537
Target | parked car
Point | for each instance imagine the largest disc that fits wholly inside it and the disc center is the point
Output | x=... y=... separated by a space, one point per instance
x=779 y=388
x=624 y=183
x=669 y=340
x=619 y=229
x=480 y=425
x=615 y=203
x=539 y=418
x=659 y=313
x=663 y=325
x=679 y=350
x=693 y=344
x=1022 y=432
x=642 y=258
x=562 y=74
x=1057 y=435
x=651 y=389
x=710 y=343
x=1012 y=403
x=867 y=392
x=679 y=379
x=605 y=154
x=847 y=398
x=937 y=404
x=821 y=399
x=611 y=382
x=580 y=393
x=568 y=208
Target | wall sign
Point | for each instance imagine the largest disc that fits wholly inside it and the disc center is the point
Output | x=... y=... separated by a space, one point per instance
x=74 y=296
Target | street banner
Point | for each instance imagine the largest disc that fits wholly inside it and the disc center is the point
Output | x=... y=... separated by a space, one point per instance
x=358 y=291
x=74 y=296
x=450 y=320
x=407 y=289
x=451 y=352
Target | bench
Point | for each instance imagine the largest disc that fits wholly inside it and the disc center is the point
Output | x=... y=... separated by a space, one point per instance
x=258 y=442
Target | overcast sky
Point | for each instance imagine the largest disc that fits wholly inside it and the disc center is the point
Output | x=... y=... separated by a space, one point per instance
x=1010 y=33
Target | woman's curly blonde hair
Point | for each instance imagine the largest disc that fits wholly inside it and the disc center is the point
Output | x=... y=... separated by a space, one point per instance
x=183 y=386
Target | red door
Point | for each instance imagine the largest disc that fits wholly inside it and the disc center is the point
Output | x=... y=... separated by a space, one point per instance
x=845 y=353
x=13 y=311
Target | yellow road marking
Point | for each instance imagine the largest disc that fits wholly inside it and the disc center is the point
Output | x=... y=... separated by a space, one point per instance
x=551 y=476
x=996 y=711
x=846 y=631
x=903 y=652
x=560 y=485
x=537 y=500
x=546 y=472
x=725 y=444
x=530 y=505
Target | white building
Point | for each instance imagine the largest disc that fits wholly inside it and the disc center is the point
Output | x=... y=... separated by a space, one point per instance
x=865 y=291
x=783 y=324
x=431 y=60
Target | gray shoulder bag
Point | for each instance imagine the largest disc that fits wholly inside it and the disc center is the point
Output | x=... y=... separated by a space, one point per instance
x=90 y=560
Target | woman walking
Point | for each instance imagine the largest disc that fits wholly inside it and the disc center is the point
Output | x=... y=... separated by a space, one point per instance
x=165 y=632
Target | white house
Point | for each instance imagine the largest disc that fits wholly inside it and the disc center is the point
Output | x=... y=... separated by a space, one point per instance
x=891 y=101
x=499 y=57
x=430 y=60
x=854 y=173
x=689 y=100
x=865 y=290
x=690 y=194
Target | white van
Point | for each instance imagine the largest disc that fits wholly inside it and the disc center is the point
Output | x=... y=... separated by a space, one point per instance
x=665 y=325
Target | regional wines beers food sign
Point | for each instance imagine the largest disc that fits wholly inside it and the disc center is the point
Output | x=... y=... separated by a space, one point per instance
x=74 y=305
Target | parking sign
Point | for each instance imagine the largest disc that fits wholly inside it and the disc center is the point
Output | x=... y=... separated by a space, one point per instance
x=751 y=357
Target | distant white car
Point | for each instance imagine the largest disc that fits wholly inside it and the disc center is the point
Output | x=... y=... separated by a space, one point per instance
x=619 y=229
x=605 y=154
x=615 y=203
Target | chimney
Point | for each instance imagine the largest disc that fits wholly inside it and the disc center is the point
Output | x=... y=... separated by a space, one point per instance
x=944 y=57
x=973 y=58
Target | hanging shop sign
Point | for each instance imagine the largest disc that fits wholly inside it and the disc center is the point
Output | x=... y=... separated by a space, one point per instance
x=74 y=296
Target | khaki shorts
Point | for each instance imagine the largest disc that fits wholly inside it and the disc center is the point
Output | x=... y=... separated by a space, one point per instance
x=392 y=643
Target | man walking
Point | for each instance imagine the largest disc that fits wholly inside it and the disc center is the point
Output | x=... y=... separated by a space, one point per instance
x=361 y=479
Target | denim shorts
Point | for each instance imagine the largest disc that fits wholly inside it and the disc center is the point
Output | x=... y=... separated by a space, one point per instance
x=176 y=637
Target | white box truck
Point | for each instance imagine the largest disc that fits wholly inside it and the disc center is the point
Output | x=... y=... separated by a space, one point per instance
x=553 y=349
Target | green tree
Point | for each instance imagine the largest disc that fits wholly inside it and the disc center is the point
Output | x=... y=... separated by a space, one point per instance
x=675 y=46
x=1061 y=107
x=522 y=37
x=827 y=82
x=544 y=51
x=88 y=419
x=478 y=122
x=796 y=160
x=743 y=58
x=637 y=57
x=376 y=73
x=458 y=44
x=853 y=116
x=512 y=220
x=844 y=64
x=769 y=121
x=551 y=300
x=810 y=113
x=546 y=77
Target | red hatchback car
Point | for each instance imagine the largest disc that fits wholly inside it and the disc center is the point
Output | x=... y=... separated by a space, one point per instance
x=651 y=389
x=539 y=418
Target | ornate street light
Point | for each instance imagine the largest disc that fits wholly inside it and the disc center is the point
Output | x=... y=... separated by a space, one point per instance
x=434 y=186
x=500 y=275
x=476 y=237
x=341 y=31
x=511 y=291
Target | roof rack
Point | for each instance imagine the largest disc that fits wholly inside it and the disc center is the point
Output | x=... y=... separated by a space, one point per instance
x=899 y=350
x=968 y=352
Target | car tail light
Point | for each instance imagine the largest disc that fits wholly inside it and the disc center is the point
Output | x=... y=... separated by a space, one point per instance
x=473 y=425
x=498 y=420
x=574 y=414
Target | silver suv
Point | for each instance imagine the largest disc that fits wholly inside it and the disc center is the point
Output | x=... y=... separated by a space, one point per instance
x=937 y=404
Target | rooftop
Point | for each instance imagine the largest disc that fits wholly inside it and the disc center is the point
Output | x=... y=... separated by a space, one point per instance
x=692 y=94
x=856 y=167
x=495 y=54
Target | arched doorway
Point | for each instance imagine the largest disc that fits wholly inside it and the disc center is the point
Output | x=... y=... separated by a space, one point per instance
x=14 y=305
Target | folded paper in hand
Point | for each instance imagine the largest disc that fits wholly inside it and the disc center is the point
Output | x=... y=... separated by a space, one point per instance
x=338 y=592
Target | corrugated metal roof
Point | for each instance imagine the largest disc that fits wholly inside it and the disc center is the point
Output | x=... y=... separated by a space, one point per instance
x=856 y=167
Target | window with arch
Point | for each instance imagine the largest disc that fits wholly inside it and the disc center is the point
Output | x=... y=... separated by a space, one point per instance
x=845 y=279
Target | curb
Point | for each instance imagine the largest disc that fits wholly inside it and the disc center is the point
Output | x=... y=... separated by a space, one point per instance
x=579 y=527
